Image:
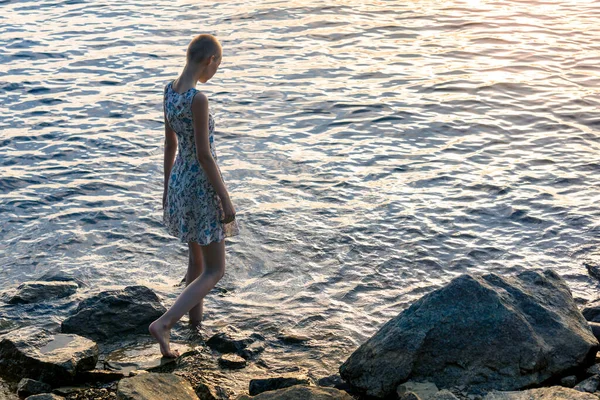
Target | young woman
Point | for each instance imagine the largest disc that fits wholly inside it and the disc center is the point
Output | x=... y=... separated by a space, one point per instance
x=196 y=205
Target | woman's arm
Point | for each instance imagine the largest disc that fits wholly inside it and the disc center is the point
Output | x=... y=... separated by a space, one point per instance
x=170 y=151
x=205 y=158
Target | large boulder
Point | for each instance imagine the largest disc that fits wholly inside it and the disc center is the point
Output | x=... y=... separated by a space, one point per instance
x=115 y=312
x=36 y=353
x=301 y=392
x=484 y=332
x=155 y=386
x=36 y=291
x=544 y=393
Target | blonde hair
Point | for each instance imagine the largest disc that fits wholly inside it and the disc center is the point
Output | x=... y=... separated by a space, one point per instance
x=202 y=47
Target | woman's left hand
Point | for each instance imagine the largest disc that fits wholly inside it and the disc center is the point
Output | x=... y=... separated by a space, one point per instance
x=164 y=199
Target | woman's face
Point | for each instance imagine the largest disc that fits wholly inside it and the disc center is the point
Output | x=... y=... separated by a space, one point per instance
x=215 y=64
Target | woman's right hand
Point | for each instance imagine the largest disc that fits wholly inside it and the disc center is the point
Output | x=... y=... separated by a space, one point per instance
x=228 y=211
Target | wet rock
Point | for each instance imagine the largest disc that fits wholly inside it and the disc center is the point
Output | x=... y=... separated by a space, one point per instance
x=36 y=353
x=155 y=386
x=206 y=390
x=544 y=393
x=484 y=331
x=592 y=264
x=232 y=361
x=99 y=376
x=595 y=326
x=258 y=386
x=28 y=387
x=293 y=337
x=569 y=381
x=45 y=396
x=409 y=396
x=330 y=381
x=301 y=392
x=425 y=390
x=7 y=390
x=252 y=351
x=589 y=385
x=115 y=312
x=36 y=291
x=593 y=370
x=142 y=356
x=231 y=340
x=444 y=394
x=591 y=311
x=61 y=276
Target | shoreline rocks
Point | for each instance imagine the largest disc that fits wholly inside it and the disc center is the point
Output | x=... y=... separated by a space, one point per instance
x=479 y=335
x=483 y=331
x=115 y=312
x=37 y=291
x=155 y=386
x=38 y=354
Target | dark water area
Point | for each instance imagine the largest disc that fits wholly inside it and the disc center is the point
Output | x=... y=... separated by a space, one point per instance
x=374 y=150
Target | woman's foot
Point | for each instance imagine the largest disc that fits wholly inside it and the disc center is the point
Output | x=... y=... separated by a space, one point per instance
x=161 y=333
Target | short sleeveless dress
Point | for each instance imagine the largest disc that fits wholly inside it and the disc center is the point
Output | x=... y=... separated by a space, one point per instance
x=193 y=209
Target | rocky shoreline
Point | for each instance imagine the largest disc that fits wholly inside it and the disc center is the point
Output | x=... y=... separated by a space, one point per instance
x=480 y=337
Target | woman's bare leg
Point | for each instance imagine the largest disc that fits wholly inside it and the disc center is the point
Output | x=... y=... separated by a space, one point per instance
x=214 y=269
x=195 y=269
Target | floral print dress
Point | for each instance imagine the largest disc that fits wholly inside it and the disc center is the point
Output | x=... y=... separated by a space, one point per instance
x=193 y=209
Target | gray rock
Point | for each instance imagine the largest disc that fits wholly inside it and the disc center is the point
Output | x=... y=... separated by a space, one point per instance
x=206 y=390
x=28 y=387
x=61 y=276
x=589 y=385
x=544 y=393
x=591 y=311
x=330 y=381
x=569 y=381
x=444 y=394
x=595 y=326
x=293 y=337
x=301 y=392
x=231 y=340
x=36 y=353
x=45 y=396
x=425 y=390
x=155 y=386
x=115 y=312
x=593 y=265
x=232 y=361
x=263 y=385
x=409 y=396
x=484 y=331
x=36 y=291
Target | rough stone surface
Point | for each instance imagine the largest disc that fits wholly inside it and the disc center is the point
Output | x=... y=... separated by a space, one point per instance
x=569 y=381
x=409 y=396
x=589 y=385
x=545 y=393
x=61 y=276
x=155 y=386
x=36 y=291
x=232 y=361
x=36 y=353
x=425 y=390
x=483 y=331
x=28 y=387
x=301 y=392
x=262 y=385
x=444 y=394
x=591 y=311
x=45 y=396
x=115 y=312
x=231 y=340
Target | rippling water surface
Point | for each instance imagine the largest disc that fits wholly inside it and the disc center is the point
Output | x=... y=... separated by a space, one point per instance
x=374 y=150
